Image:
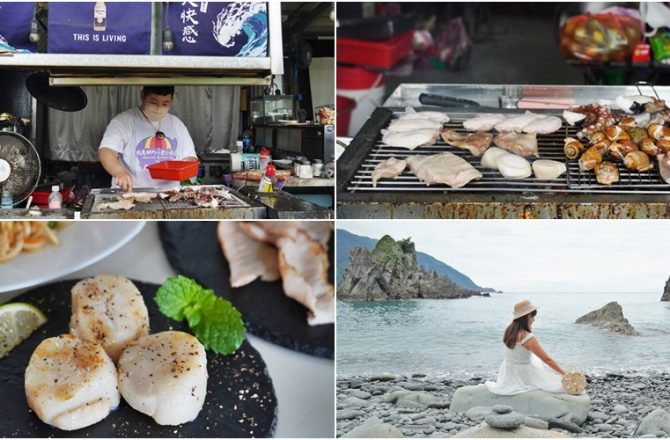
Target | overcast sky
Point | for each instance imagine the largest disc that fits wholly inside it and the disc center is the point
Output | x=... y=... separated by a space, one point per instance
x=541 y=256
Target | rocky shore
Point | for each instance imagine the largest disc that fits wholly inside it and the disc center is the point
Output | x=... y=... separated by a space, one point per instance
x=628 y=404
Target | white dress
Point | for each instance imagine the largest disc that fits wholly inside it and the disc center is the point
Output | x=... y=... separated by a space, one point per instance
x=522 y=371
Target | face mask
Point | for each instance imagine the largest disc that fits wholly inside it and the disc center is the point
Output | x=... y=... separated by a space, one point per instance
x=155 y=112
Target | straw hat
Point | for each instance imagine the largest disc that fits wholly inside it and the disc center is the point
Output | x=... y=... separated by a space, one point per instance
x=522 y=308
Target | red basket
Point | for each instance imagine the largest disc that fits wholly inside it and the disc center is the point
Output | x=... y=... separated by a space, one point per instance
x=381 y=54
x=174 y=170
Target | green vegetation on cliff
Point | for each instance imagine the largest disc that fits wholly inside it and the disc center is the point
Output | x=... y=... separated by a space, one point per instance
x=393 y=253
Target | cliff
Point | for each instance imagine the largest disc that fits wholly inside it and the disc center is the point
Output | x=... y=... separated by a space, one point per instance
x=610 y=317
x=666 y=291
x=390 y=271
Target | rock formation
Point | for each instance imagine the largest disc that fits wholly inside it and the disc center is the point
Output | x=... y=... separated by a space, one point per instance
x=666 y=291
x=391 y=272
x=609 y=318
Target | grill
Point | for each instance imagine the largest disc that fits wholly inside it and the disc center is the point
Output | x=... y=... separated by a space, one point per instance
x=238 y=206
x=550 y=147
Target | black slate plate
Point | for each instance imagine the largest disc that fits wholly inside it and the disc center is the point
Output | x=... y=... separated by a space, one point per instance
x=224 y=414
x=193 y=250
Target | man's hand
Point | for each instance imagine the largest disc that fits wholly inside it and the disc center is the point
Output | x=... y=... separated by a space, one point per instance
x=124 y=180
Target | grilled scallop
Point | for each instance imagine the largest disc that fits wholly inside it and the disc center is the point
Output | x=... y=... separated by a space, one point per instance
x=110 y=311
x=164 y=376
x=71 y=383
x=638 y=161
x=606 y=173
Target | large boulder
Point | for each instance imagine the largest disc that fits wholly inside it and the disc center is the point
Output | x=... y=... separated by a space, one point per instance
x=374 y=428
x=609 y=317
x=536 y=403
x=653 y=423
x=483 y=430
x=666 y=291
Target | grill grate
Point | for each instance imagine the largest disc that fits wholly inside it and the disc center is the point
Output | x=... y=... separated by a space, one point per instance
x=550 y=146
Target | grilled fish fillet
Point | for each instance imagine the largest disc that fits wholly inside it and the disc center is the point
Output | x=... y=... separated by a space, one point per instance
x=517 y=123
x=521 y=144
x=410 y=139
x=545 y=125
x=444 y=168
x=410 y=113
x=70 y=383
x=390 y=168
x=110 y=311
x=164 y=376
x=483 y=122
x=248 y=259
x=475 y=143
x=404 y=125
x=271 y=231
x=303 y=264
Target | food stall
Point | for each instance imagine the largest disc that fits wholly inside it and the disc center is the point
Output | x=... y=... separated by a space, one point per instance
x=579 y=191
x=83 y=83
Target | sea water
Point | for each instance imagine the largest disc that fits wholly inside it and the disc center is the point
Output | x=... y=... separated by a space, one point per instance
x=462 y=338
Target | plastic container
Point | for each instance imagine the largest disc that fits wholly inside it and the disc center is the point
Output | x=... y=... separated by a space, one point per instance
x=384 y=54
x=174 y=170
x=344 y=108
x=42 y=193
x=55 y=199
x=244 y=161
x=365 y=88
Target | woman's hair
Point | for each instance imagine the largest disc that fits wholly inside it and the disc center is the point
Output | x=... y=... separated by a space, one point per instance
x=512 y=331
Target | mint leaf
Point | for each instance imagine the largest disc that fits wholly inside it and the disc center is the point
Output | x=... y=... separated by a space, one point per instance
x=215 y=322
x=221 y=328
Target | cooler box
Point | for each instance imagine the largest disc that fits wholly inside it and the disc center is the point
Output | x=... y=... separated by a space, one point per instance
x=100 y=27
x=227 y=29
x=384 y=54
x=365 y=88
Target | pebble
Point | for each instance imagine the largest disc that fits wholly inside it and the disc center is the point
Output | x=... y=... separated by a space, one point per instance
x=603 y=427
x=348 y=414
x=510 y=420
x=439 y=405
x=620 y=409
x=502 y=409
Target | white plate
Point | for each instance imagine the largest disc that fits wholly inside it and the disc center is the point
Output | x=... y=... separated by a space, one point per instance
x=81 y=244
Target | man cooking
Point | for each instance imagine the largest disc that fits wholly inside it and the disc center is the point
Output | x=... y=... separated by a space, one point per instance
x=143 y=136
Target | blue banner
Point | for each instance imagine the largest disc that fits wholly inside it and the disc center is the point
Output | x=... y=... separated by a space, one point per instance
x=232 y=29
x=15 y=18
x=100 y=27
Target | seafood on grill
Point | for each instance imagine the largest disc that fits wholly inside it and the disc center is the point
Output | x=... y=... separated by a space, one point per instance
x=444 y=168
x=635 y=132
x=517 y=123
x=411 y=114
x=664 y=166
x=616 y=133
x=638 y=161
x=514 y=167
x=548 y=169
x=619 y=150
x=119 y=205
x=590 y=158
x=596 y=118
x=607 y=173
x=71 y=383
x=390 y=168
x=405 y=125
x=521 y=144
x=141 y=197
x=545 y=125
x=491 y=156
x=410 y=139
x=659 y=132
x=476 y=143
x=483 y=122
x=648 y=146
x=572 y=148
x=632 y=104
x=108 y=310
x=573 y=117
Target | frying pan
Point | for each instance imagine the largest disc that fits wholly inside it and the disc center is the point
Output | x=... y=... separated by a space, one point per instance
x=65 y=99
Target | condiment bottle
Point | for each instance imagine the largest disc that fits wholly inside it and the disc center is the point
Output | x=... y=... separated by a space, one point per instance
x=269 y=179
x=55 y=199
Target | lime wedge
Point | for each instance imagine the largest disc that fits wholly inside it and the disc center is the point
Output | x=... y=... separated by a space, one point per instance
x=17 y=322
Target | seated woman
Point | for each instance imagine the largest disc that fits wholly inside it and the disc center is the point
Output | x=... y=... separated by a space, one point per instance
x=522 y=369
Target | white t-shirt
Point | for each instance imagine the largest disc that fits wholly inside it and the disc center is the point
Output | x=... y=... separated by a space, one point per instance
x=131 y=134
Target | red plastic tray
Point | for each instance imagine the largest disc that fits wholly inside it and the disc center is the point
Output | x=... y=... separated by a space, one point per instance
x=41 y=195
x=381 y=54
x=174 y=170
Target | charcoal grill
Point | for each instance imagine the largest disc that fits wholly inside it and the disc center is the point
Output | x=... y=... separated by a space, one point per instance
x=575 y=194
x=238 y=207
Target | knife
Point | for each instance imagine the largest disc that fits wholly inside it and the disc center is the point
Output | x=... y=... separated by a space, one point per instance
x=446 y=101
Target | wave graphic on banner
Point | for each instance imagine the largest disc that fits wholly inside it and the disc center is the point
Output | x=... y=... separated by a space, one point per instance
x=247 y=17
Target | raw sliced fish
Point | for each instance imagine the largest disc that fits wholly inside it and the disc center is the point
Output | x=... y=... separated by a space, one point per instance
x=521 y=144
x=390 y=168
x=491 y=156
x=410 y=114
x=248 y=259
x=517 y=123
x=410 y=139
x=271 y=231
x=548 y=169
x=70 y=383
x=514 y=167
x=405 y=125
x=475 y=143
x=164 y=376
x=303 y=265
x=444 y=168
x=546 y=125
x=108 y=310
x=483 y=122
